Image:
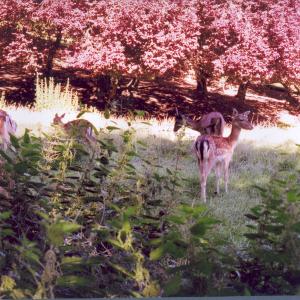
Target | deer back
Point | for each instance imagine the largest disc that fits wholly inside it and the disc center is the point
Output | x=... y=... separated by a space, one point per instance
x=2 y=124
x=79 y=124
x=212 y=123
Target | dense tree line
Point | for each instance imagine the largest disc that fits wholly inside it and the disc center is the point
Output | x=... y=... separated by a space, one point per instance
x=249 y=41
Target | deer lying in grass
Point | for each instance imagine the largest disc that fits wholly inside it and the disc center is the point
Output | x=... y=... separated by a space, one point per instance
x=7 y=126
x=216 y=152
x=212 y=123
x=78 y=127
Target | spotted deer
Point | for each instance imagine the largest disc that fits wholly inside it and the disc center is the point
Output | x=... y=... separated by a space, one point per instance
x=216 y=152
x=7 y=126
x=212 y=123
x=78 y=127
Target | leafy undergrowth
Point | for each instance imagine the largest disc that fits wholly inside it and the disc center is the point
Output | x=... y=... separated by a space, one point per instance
x=122 y=218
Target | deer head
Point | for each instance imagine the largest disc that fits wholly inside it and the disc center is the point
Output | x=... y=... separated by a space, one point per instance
x=58 y=119
x=241 y=120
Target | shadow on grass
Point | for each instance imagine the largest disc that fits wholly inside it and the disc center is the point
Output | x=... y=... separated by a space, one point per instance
x=158 y=98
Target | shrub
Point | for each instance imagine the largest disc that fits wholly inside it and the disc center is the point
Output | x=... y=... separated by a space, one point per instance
x=271 y=264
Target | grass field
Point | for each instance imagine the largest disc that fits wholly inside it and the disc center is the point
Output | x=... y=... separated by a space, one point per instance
x=261 y=154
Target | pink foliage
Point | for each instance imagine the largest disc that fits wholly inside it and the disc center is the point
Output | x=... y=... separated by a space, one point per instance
x=137 y=37
x=284 y=33
x=22 y=50
x=256 y=40
x=12 y=11
x=35 y=27
x=59 y=15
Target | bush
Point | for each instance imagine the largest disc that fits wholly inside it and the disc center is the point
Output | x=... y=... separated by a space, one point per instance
x=104 y=221
x=272 y=263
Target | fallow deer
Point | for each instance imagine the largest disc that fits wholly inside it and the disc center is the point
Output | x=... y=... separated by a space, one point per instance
x=212 y=123
x=216 y=152
x=78 y=127
x=7 y=126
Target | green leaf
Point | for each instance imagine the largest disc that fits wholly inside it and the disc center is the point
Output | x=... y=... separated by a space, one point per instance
x=75 y=281
x=21 y=167
x=172 y=287
x=198 y=229
x=6 y=232
x=247 y=292
x=14 y=141
x=71 y=260
x=28 y=152
x=205 y=267
x=126 y=227
x=81 y=113
x=5 y=156
x=140 y=113
x=296 y=227
x=196 y=210
x=115 y=243
x=130 y=211
x=156 y=242
x=293 y=196
x=111 y=128
x=57 y=231
x=7 y=283
x=26 y=137
x=142 y=143
x=31 y=256
x=177 y=219
x=5 y=215
x=106 y=114
x=157 y=253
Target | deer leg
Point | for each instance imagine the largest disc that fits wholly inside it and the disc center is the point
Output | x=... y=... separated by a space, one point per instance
x=218 y=175
x=226 y=175
x=204 y=170
x=203 y=179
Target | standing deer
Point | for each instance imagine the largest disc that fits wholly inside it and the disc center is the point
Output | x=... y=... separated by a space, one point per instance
x=7 y=126
x=79 y=127
x=216 y=152
x=212 y=123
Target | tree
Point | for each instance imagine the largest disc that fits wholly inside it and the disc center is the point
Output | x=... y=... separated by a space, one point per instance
x=246 y=42
x=135 y=38
x=38 y=29
x=284 y=36
x=12 y=15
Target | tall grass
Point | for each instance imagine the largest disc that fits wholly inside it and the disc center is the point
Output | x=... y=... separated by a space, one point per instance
x=51 y=95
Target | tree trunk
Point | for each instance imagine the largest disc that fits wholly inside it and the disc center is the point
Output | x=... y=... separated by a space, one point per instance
x=103 y=83
x=241 y=94
x=133 y=85
x=52 y=53
x=289 y=97
x=202 y=85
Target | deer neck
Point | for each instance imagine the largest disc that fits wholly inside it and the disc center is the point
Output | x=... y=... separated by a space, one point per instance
x=234 y=135
x=191 y=124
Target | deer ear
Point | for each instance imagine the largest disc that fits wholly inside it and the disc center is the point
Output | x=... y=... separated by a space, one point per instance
x=62 y=116
x=235 y=112
x=56 y=115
